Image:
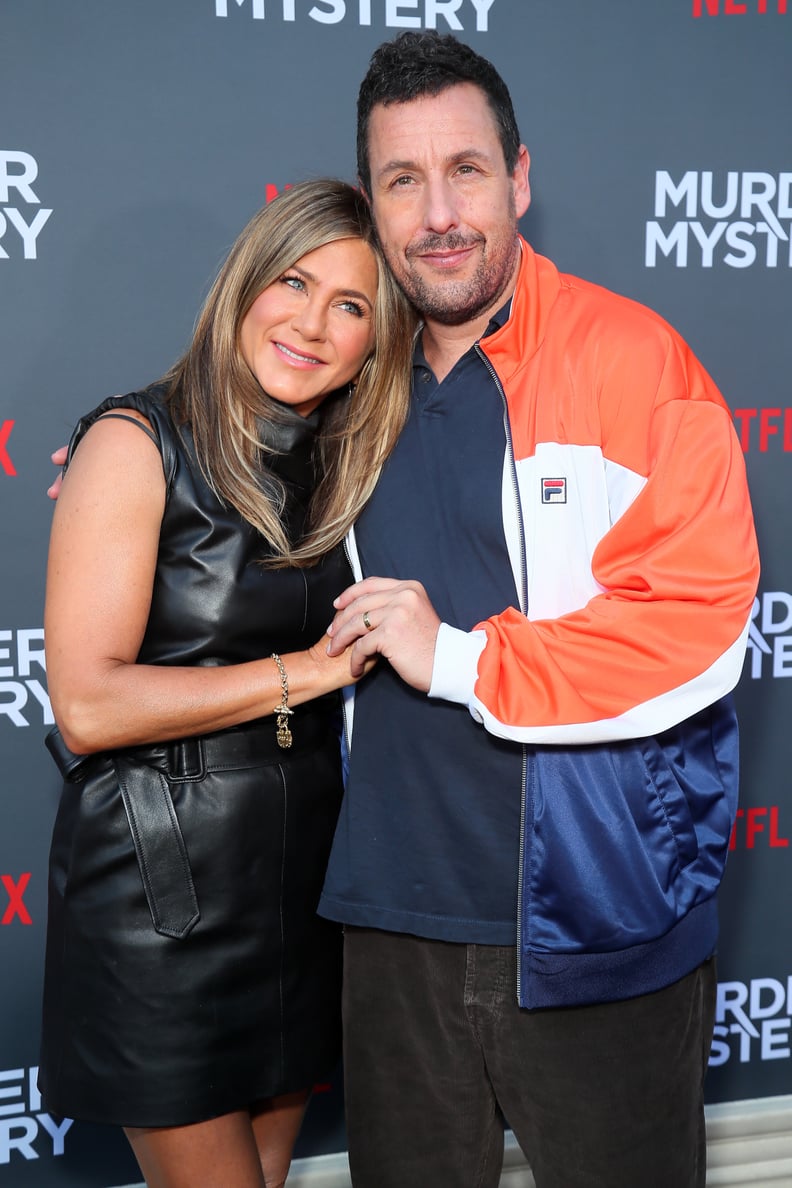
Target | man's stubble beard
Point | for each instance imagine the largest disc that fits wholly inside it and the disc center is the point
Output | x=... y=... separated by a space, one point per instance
x=451 y=302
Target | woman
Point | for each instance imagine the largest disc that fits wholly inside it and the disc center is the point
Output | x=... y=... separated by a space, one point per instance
x=191 y=993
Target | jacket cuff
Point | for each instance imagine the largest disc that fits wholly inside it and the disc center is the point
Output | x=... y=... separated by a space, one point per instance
x=455 y=668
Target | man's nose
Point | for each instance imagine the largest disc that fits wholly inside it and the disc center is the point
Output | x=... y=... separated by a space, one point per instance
x=441 y=212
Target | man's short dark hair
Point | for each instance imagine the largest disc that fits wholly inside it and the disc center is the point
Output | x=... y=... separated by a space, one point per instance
x=425 y=63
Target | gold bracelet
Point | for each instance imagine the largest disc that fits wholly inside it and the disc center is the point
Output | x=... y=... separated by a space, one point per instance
x=282 y=711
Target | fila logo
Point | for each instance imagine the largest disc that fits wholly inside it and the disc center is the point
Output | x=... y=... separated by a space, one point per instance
x=554 y=490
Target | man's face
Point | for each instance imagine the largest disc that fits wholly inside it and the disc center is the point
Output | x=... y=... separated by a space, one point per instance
x=444 y=204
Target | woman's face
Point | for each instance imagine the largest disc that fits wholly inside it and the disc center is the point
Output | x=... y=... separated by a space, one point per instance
x=310 y=332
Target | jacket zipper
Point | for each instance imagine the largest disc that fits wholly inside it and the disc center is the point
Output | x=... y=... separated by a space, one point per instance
x=344 y=716
x=524 y=608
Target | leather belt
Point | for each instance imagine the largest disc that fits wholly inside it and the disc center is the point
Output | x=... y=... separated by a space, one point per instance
x=248 y=745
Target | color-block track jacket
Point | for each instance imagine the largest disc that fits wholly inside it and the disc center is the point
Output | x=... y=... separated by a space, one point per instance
x=631 y=537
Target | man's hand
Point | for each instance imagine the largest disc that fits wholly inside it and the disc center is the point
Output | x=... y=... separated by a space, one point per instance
x=59 y=458
x=392 y=618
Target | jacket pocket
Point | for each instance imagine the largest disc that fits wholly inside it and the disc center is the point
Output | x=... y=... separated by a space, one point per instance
x=612 y=842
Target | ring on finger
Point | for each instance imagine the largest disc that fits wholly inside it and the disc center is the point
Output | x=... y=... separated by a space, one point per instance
x=367 y=623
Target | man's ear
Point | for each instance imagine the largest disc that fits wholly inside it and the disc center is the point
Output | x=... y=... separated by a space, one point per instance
x=520 y=182
x=363 y=190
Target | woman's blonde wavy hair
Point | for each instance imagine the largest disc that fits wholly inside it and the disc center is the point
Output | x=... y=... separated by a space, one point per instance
x=213 y=389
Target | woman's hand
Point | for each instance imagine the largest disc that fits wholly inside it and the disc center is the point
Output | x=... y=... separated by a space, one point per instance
x=340 y=669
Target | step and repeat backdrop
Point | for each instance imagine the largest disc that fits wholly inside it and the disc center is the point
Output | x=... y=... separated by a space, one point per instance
x=136 y=139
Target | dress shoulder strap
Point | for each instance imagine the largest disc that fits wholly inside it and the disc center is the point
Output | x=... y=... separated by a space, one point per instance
x=134 y=421
x=160 y=428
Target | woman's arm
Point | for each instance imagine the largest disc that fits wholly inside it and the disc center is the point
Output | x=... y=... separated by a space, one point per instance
x=102 y=560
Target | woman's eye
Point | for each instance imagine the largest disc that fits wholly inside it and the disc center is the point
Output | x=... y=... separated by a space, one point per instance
x=353 y=308
x=295 y=282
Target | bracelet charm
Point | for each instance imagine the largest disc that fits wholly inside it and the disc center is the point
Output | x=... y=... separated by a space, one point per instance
x=282 y=712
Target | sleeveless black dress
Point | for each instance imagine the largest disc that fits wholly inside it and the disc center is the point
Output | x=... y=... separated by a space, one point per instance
x=187 y=973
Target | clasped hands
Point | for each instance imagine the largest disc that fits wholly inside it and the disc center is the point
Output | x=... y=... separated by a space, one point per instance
x=390 y=618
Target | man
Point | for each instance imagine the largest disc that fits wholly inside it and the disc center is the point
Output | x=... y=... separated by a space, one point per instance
x=543 y=777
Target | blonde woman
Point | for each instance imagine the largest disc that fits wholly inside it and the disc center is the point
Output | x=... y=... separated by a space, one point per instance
x=191 y=992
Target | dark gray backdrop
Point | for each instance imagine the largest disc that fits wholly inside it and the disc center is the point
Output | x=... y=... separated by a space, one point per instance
x=137 y=137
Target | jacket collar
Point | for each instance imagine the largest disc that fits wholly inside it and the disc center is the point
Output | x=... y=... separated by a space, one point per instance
x=538 y=285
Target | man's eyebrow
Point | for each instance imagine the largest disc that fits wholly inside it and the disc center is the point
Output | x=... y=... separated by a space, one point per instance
x=469 y=154
x=395 y=166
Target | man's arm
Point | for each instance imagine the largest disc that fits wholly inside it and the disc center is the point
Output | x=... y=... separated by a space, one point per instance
x=677 y=571
x=666 y=637
x=59 y=459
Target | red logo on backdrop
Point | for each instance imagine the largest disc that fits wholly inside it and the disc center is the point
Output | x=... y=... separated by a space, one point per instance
x=6 y=465
x=758 y=427
x=15 y=908
x=271 y=191
x=755 y=827
x=738 y=7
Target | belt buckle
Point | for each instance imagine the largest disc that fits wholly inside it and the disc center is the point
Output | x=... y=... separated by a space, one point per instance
x=186 y=760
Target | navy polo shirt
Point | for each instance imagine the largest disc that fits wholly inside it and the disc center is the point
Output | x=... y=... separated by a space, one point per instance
x=428 y=837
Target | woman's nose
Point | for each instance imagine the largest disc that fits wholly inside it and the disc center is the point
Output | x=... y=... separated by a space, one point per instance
x=311 y=320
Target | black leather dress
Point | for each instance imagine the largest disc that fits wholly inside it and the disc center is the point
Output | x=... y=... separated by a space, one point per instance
x=187 y=974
